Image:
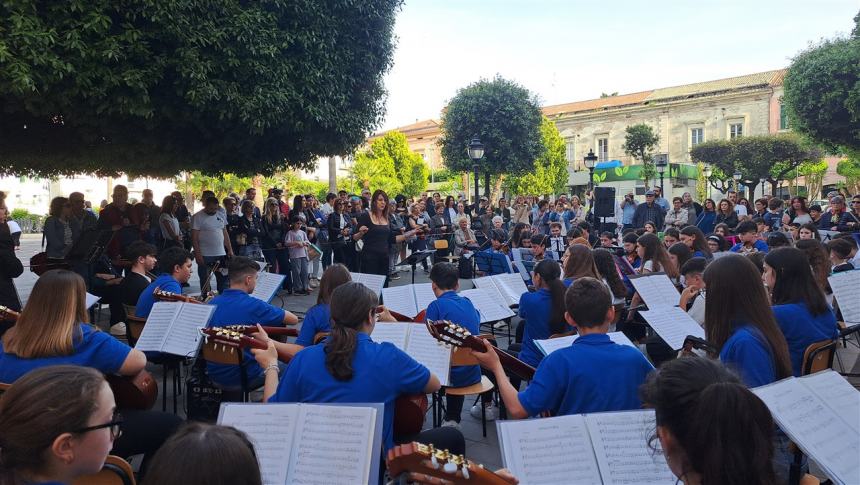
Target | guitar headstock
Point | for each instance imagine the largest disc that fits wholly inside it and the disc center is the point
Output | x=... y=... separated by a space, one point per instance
x=8 y=315
x=162 y=295
x=451 y=333
x=231 y=338
x=427 y=460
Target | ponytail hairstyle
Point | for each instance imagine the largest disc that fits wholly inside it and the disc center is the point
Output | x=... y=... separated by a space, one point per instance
x=656 y=252
x=795 y=282
x=723 y=431
x=550 y=272
x=334 y=276
x=699 y=242
x=580 y=263
x=819 y=260
x=351 y=304
x=39 y=407
x=605 y=264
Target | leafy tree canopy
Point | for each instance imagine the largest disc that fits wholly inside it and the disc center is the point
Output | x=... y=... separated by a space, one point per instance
x=504 y=115
x=639 y=142
x=390 y=165
x=154 y=87
x=822 y=93
x=549 y=173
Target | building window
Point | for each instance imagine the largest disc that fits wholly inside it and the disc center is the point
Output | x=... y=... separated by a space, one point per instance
x=783 y=117
x=602 y=149
x=570 y=151
x=697 y=135
x=736 y=130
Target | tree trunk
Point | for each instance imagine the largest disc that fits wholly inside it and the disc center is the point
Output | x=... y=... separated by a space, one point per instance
x=332 y=175
x=487 y=185
x=464 y=179
x=258 y=187
x=497 y=188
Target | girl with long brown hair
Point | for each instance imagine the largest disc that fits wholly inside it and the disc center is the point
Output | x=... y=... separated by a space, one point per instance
x=318 y=317
x=578 y=262
x=654 y=256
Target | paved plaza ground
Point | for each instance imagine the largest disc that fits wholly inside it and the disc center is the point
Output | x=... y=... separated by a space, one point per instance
x=479 y=449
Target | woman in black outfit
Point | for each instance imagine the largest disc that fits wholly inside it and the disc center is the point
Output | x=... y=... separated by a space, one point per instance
x=338 y=229
x=375 y=231
x=276 y=254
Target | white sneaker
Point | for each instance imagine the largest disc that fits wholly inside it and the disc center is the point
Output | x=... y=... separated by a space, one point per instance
x=450 y=424
x=491 y=412
x=118 y=330
x=500 y=325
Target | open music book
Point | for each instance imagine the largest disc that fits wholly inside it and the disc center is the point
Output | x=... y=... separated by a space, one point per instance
x=673 y=325
x=373 y=281
x=311 y=443
x=91 y=300
x=415 y=340
x=408 y=300
x=509 y=287
x=550 y=345
x=603 y=448
x=174 y=328
x=268 y=285
x=846 y=290
x=656 y=290
x=488 y=305
x=820 y=413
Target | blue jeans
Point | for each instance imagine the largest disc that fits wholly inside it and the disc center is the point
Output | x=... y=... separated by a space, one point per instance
x=203 y=271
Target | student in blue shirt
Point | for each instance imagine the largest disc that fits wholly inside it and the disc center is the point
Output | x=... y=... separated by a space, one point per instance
x=175 y=266
x=236 y=306
x=498 y=238
x=59 y=423
x=351 y=368
x=578 y=262
x=449 y=305
x=53 y=330
x=799 y=306
x=318 y=317
x=542 y=311
x=695 y=239
x=747 y=233
x=593 y=375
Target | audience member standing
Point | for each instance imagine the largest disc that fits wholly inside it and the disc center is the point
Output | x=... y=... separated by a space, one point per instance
x=210 y=241
x=649 y=211
x=116 y=216
x=58 y=230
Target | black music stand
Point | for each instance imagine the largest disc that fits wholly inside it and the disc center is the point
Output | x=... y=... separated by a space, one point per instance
x=415 y=258
x=90 y=245
x=492 y=263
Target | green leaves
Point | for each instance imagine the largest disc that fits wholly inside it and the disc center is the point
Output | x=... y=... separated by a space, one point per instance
x=548 y=174
x=639 y=142
x=390 y=165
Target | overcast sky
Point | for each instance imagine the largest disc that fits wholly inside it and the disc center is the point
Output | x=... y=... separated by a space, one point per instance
x=573 y=50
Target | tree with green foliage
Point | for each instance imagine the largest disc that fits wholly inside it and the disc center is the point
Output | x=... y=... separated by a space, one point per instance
x=507 y=119
x=639 y=143
x=153 y=87
x=389 y=164
x=850 y=169
x=822 y=93
x=549 y=172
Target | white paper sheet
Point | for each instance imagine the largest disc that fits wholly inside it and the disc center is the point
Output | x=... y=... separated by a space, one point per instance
x=509 y=286
x=820 y=432
x=271 y=427
x=489 y=306
x=400 y=299
x=429 y=352
x=846 y=289
x=549 y=346
x=91 y=300
x=837 y=393
x=157 y=326
x=373 y=281
x=673 y=325
x=268 y=285
x=395 y=333
x=424 y=296
x=333 y=444
x=184 y=336
x=24 y=286
x=549 y=451
x=620 y=441
x=656 y=290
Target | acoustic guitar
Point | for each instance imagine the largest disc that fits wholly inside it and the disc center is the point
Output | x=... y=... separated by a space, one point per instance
x=137 y=392
x=160 y=295
x=232 y=339
x=426 y=460
x=450 y=333
x=8 y=315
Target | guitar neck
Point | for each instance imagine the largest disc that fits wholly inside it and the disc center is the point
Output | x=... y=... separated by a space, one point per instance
x=509 y=362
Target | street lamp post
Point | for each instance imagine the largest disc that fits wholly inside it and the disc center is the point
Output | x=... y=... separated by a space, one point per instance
x=737 y=176
x=762 y=181
x=661 y=161
x=707 y=171
x=476 y=152
x=590 y=160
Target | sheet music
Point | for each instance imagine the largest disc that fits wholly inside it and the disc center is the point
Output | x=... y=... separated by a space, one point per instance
x=549 y=451
x=424 y=296
x=620 y=441
x=333 y=444
x=400 y=299
x=819 y=431
x=91 y=300
x=271 y=427
x=184 y=335
x=550 y=345
x=395 y=333
x=373 y=281
x=673 y=325
x=429 y=352
x=489 y=306
x=511 y=286
x=489 y=284
x=24 y=286
x=268 y=285
x=157 y=326
x=846 y=289
x=837 y=393
x=656 y=290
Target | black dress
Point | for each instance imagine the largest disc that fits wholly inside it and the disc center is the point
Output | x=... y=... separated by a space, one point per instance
x=377 y=240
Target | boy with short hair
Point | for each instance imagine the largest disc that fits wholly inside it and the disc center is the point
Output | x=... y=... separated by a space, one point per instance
x=694 y=285
x=773 y=216
x=747 y=232
x=593 y=375
x=555 y=242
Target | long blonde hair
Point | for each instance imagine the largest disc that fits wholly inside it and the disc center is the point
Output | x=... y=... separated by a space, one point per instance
x=272 y=216
x=49 y=322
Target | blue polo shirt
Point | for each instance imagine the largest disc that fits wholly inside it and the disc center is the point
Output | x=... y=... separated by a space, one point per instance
x=801 y=329
x=758 y=244
x=317 y=319
x=380 y=374
x=748 y=353
x=145 y=301
x=91 y=348
x=593 y=375
x=453 y=307
x=235 y=307
x=535 y=309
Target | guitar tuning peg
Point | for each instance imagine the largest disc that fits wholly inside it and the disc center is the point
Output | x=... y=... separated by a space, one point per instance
x=464 y=467
x=450 y=467
x=434 y=461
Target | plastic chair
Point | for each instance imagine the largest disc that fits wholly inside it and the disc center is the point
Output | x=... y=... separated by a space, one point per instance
x=443 y=245
x=462 y=357
x=115 y=471
x=818 y=357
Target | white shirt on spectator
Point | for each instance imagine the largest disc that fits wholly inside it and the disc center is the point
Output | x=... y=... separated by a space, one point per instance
x=211 y=237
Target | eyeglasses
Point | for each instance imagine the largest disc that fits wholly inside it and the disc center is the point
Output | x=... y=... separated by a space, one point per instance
x=114 y=425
